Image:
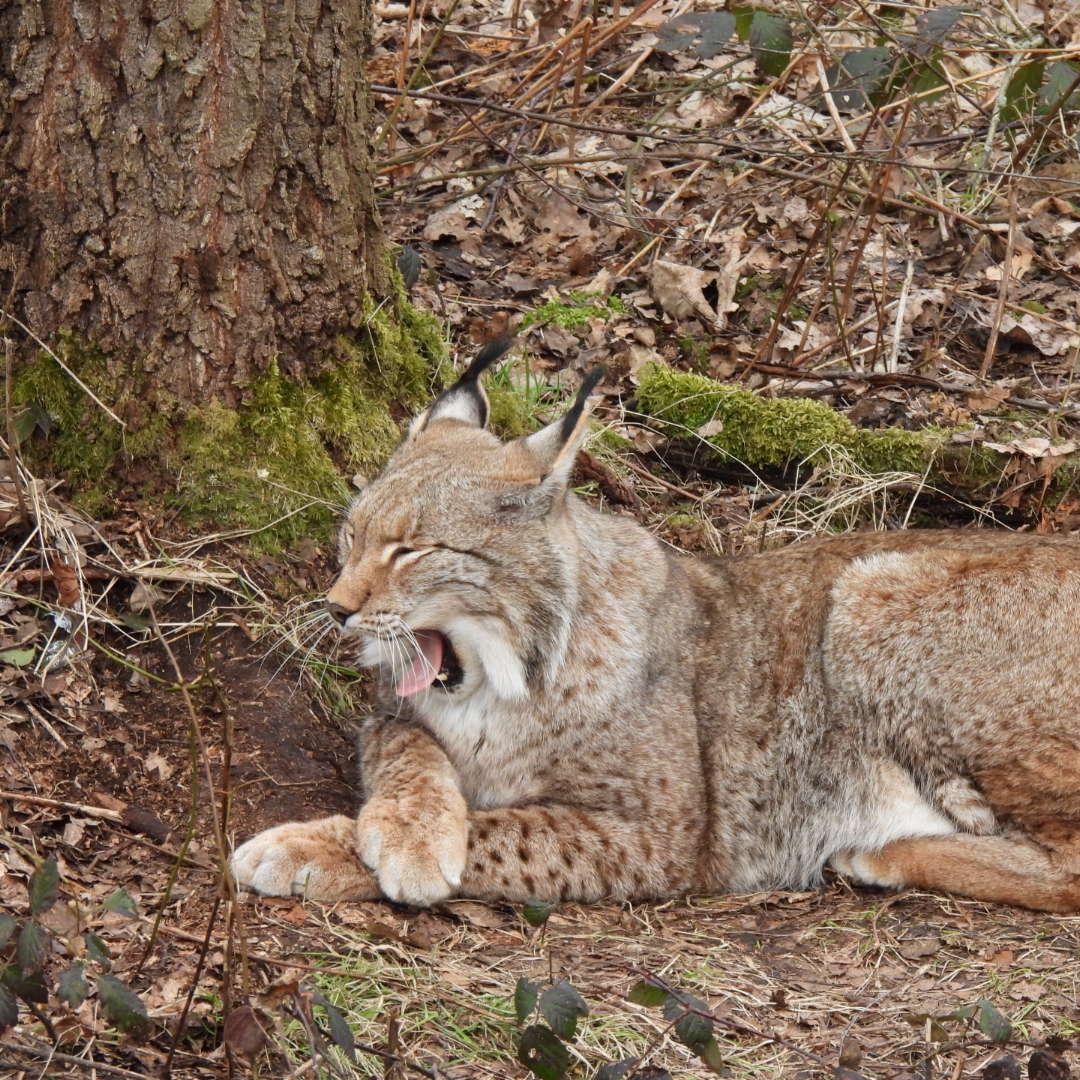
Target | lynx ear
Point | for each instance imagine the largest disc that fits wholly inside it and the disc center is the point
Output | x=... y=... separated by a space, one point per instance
x=465 y=400
x=557 y=444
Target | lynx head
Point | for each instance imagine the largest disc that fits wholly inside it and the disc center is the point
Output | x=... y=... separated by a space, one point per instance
x=457 y=561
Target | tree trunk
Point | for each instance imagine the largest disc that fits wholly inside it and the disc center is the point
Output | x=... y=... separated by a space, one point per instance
x=185 y=186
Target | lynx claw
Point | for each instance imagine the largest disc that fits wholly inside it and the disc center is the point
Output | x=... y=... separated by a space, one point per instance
x=314 y=859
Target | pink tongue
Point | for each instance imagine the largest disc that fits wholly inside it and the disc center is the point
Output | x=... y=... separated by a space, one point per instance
x=426 y=666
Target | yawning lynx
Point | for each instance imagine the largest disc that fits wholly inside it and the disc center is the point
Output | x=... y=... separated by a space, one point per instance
x=572 y=711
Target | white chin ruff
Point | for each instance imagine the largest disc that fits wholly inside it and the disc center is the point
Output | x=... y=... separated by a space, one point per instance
x=486 y=640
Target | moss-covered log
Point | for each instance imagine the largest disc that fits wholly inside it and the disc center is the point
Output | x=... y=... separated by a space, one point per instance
x=741 y=427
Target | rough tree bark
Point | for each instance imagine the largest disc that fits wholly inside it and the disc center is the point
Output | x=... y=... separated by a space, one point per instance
x=186 y=185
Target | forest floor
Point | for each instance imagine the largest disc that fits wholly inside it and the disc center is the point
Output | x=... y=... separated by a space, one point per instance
x=909 y=255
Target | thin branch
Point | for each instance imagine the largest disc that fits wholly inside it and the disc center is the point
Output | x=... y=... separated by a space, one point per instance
x=63 y=367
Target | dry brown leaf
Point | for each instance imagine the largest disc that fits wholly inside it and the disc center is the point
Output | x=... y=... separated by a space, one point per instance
x=144 y=596
x=679 y=290
x=455 y=220
x=247 y=1031
x=1035 y=447
x=155 y=763
x=477 y=914
x=727 y=279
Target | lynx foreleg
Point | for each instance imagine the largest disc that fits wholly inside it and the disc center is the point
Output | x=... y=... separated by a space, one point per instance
x=412 y=831
x=407 y=844
x=317 y=859
x=565 y=853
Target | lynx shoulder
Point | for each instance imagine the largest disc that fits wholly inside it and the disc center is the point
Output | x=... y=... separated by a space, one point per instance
x=570 y=711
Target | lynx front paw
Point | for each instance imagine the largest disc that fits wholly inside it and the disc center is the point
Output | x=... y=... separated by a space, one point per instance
x=416 y=844
x=315 y=859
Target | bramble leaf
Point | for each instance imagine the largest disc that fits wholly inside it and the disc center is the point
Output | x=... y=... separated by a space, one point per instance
x=701 y=32
x=340 y=1031
x=1061 y=89
x=858 y=75
x=617 y=1070
x=120 y=902
x=992 y=1023
x=30 y=948
x=72 y=986
x=561 y=1006
x=691 y=1028
x=409 y=264
x=9 y=1009
x=770 y=42
x=17 y=657
x=525 y=995
x=648 y=993
x=122 y=1006
x=1022 y=93
x=542 y=1052
x=712 y=1056
x=44 y=886
x=28 y=987
x=537 y=912
x=97 y=950
x=932 y=27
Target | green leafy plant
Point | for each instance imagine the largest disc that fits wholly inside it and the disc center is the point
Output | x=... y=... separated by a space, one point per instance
x=864 y=76
x=542 y=1045
x=692 y=1021
x=707 y=32
x=29 y=970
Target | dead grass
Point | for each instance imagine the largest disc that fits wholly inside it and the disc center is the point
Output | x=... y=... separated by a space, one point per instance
x=807 y=972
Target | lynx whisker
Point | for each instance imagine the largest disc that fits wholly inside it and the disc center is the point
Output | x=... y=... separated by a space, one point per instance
x=314 y=630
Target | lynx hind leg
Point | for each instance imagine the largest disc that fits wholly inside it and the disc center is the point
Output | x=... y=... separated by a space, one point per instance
x=994 y=868
x=964 y=803
x=315 y=859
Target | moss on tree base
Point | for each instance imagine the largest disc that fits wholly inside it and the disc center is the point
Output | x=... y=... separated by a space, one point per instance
x=742 y=427
x=278 y=465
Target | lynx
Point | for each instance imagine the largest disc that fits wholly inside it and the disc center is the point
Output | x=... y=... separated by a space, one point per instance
x=571 y=711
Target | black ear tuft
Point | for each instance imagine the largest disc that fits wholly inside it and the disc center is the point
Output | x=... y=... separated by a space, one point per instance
x=487 y=356
x=569 y=421
x=466 y=400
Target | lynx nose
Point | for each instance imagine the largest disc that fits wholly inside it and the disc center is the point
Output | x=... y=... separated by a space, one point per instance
x=338 y=613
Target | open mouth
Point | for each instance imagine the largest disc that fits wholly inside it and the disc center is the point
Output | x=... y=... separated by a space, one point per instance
x=435 y=663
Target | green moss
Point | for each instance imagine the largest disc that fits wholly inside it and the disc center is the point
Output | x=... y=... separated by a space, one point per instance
x=83 y=440
x=279 y=464
x=680 y=519
x=512 y=415
x=765 y=432
x=518 y=399
x=899 y=450
x=576 y=310
x=606 y=440
x=753 y=430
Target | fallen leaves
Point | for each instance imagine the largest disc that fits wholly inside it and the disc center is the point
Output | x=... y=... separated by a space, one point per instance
x=679 y=290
